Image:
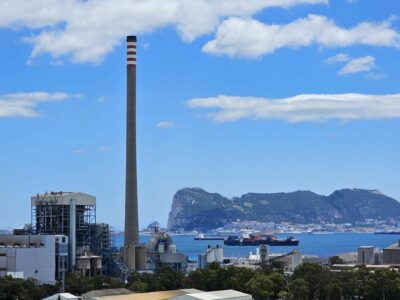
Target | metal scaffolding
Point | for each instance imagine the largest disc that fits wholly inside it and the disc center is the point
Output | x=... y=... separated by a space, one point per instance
x=50 y=214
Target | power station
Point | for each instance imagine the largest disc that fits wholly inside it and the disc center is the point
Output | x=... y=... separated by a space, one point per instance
x=64 y=225
x=160 y=250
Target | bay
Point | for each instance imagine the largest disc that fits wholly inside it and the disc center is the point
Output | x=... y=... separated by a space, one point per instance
x=324 y=245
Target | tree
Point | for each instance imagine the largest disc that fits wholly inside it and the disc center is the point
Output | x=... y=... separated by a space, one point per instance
x=334 y=290
x=279 y=283
x=260 y=287
x=234 y=278
x=169 y=279
x=11 y=288
x=316 y=276
x=138 y=287
x=299 y=289
x=203 y=279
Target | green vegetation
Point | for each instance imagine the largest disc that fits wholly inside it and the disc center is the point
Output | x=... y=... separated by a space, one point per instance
x=77 y=284
x=20 y=289
x=308 y=282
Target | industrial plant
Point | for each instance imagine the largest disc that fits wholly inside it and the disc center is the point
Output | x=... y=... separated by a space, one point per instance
x=63 y=235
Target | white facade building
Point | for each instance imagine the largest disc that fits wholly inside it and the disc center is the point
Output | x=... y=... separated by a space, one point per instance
x=33 y=256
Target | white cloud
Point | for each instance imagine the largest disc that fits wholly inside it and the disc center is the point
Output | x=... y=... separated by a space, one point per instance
x=375 y=76
x=87 y=30
x=79 y=151
x=357 y=65
x=165 y=125
x=103 y=149
x=301 y=108
x=341 y=57
x=25 y=104
x=145 y=46
x=249 y=38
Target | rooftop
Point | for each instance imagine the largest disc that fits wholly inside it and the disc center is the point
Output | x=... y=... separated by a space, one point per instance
x=62 y=296
x=188 y=294
x=394 y=246
x=106 y=292
x=147 y=296
x=63 y=198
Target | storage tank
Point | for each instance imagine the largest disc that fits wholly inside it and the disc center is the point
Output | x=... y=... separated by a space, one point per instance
x=219 y=254
x=141 y=257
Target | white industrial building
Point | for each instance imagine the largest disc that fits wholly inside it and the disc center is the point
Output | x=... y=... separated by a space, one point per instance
x=41 y=257
x=213 y=254
x=366 y=255
x=261 y=256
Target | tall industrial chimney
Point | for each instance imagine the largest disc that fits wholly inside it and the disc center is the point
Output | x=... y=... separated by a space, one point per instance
x=131 y=197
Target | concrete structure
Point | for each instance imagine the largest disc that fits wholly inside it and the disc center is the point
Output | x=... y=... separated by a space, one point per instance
x=366 y=255
x=391 y=254
x=41 y=257
x=261 y=256
x=161 y=251
x=315 y=259
x=65 y=213
x=188 y=294
x=264 y=253
x=290 y=260
x=89 y=265
x=131 y=198
x=212 y=255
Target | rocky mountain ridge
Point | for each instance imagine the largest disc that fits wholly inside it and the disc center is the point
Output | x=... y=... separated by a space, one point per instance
x=194 y=208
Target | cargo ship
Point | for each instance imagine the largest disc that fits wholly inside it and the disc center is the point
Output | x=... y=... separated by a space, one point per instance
x=260 y=239
x=202 y=237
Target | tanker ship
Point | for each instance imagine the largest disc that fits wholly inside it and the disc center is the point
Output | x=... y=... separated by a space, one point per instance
x=260 y=239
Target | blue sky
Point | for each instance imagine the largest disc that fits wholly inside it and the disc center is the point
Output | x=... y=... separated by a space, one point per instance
x=240 y=99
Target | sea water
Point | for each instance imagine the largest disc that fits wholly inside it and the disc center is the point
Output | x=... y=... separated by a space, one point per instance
x=324 y=245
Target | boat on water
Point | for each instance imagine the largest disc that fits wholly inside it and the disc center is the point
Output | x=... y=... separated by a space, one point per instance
x=202 y=237
x=260 y=239
x=387 y=232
